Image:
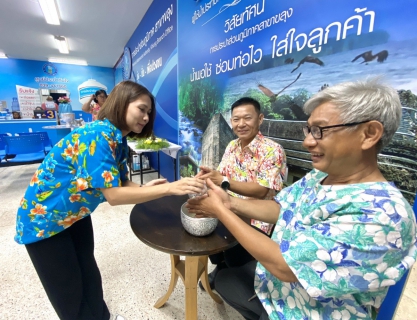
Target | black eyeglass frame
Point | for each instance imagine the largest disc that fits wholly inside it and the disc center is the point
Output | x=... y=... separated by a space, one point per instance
x=307 y=129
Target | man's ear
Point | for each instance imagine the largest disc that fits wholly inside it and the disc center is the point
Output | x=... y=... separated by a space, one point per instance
x=261 y=118
x=373 y=132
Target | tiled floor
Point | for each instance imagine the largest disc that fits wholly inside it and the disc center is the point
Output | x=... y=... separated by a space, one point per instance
x=134 y=275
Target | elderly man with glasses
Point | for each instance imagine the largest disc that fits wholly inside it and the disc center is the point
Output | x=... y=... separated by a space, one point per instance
x=343 y=233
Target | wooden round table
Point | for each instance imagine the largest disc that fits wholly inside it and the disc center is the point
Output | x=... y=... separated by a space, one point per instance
x=157 y=223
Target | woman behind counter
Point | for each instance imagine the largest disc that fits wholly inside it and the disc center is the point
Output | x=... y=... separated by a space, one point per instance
x=49 y=104
x=86 y=168
x=95 y=102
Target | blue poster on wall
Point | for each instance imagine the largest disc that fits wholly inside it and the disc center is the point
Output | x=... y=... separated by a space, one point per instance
x=154 y=63
x=281 y=53
x=153 y=48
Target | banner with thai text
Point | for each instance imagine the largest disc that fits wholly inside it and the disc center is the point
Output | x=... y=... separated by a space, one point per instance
x=281 y=53
x=150 y=58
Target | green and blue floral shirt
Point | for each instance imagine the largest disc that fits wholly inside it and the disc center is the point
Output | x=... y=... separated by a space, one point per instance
x=66 y=186
x=345 y=244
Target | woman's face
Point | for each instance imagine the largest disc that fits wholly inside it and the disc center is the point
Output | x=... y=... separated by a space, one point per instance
x=137 y=115
x=339 y=151
x=101 y=98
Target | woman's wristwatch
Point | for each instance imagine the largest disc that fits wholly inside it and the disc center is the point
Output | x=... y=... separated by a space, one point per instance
x=225 y=185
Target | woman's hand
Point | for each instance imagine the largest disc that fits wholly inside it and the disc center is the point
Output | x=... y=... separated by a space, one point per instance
x=186 y=186
x=155 y=182
x=209 y=206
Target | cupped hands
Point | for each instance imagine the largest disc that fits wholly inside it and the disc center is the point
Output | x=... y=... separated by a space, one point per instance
x=209 y=205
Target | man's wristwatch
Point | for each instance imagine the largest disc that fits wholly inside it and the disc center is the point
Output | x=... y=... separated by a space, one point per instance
x=225 y=185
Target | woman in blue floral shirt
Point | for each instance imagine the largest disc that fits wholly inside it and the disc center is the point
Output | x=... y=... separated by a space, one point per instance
x=84 y=169
x=343 y=234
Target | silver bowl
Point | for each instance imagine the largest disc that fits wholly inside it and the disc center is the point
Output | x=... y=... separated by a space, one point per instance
x=197 y=226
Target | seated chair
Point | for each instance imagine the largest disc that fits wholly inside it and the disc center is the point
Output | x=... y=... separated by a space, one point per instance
x=44 y=137
x=27 y=148
x=2 y=147
x=389 y=306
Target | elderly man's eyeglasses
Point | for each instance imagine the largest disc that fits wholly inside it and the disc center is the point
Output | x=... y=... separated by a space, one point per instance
x=317 y=131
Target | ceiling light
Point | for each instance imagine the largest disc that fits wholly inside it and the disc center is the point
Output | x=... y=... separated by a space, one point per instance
x=50 y=11
x=3 y=55
x=62 y=44
x=68 y=61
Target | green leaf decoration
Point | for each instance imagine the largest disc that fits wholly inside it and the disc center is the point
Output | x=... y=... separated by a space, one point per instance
x=82 y=148
x=75 y=137
x=305 y=251
x=310 y=277
x=44 y=195
x=92 y=148
x=72 y=190
x=332 y=289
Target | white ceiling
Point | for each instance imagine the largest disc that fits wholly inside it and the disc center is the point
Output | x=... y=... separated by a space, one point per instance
x=97 y=30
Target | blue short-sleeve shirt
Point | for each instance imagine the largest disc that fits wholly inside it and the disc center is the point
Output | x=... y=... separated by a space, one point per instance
x=66 y=186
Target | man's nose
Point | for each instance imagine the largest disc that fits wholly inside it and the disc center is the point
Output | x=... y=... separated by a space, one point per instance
x=309 y=140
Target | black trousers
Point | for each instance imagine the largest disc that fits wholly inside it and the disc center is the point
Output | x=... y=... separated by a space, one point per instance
x=68 y=271
x=234 y=257
x=235 y=286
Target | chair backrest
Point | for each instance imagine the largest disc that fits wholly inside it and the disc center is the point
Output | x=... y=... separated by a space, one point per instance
x=392 y=299
x=2 y=141
x=43 y=135
x=24 y=144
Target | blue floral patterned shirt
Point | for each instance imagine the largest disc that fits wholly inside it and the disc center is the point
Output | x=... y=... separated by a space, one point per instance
x=65 y=187
x=345 y=244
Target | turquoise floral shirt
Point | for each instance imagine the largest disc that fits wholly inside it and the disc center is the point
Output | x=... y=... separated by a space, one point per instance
x=65 y=187
x=345 y=244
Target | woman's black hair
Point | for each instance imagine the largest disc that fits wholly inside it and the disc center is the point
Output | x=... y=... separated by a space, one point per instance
x=98 y=92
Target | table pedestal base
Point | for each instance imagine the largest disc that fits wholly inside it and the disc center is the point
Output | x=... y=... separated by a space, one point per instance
x=190 y=271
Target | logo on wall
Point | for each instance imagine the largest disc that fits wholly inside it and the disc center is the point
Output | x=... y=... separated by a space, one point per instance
x=50 y=69
x=127 y=64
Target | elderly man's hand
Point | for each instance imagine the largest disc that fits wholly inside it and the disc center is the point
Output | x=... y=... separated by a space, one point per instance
x=214 y=175
x=208 y=206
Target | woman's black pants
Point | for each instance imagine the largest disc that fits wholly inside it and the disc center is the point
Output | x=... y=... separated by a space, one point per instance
x=68 y=271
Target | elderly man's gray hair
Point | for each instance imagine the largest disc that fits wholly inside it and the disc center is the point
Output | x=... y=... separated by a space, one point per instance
x=361 y=101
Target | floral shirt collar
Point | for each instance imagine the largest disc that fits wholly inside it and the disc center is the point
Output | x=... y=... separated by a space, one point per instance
x=252 y=146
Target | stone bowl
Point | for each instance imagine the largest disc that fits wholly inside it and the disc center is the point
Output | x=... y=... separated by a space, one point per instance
x=197 y=226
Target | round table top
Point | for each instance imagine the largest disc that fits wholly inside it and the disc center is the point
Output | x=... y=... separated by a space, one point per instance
x=158 y=224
